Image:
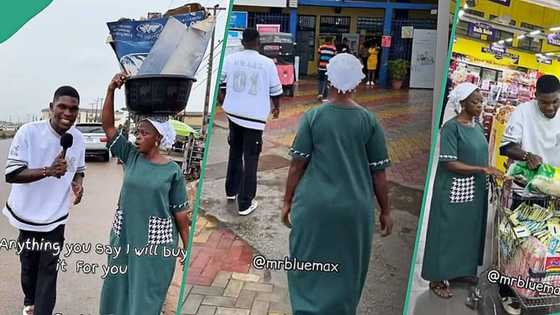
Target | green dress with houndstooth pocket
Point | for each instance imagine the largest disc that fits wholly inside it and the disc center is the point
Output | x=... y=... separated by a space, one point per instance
x=145 y=231
x=332 y=211
x=457 y=225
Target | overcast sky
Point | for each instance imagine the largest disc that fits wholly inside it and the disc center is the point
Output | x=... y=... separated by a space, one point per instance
x=65 y=45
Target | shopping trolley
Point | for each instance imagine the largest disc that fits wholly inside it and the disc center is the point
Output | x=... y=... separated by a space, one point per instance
x=505 y=197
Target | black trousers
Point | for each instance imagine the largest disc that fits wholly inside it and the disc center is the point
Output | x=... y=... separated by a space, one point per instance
x=323 y=84
x=39 y=268
x=245 y=146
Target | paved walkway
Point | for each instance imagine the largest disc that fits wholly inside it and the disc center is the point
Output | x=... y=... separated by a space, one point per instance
x=405 y=116
x=221 y=279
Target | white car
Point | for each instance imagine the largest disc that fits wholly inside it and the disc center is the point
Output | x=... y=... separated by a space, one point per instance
x=95 y=140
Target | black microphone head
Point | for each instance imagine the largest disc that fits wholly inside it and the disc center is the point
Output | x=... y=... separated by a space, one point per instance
x=66 y=140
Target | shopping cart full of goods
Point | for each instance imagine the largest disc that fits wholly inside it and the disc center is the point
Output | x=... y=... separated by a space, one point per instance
x=525 y=242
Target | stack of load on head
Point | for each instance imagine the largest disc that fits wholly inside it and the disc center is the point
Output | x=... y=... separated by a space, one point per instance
x=162 y=56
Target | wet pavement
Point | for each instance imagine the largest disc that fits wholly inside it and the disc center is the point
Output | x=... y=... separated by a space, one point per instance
x=221 y=279
x=264 y=232
x=404 y=114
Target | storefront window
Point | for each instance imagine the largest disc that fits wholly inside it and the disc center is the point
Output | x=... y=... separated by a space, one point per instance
x=270 y=18
x=529 y=43
x=335 y=25
x=371 y=26
x=306 y=36
x=370 y=29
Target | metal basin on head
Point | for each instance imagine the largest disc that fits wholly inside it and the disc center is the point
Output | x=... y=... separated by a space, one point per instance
x=158 y=94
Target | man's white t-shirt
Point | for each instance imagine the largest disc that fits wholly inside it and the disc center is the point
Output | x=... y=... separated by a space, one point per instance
x=251 y=79
x=43 y=205
x=535 y=132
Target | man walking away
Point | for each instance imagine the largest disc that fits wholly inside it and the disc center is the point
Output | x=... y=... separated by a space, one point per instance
x=326 y=52
x=251 y=80
x=42 y=175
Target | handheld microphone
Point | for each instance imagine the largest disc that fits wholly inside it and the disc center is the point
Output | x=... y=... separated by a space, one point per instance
x=66 y=141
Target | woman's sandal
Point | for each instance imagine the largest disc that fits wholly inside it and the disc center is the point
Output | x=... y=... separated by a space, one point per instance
x=441 y=289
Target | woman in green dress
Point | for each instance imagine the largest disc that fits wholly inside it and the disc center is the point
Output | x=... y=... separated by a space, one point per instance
x=339 y=160
x=457 y=224
x=151 y=214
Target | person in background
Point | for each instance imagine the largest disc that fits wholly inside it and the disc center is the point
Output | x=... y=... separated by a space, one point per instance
x=251 y=81
x=372 y=64
x=457 y=223
x=43 y=177
x=343 y=47
x=533 y=135
x=326 y=52
x=151 y=215
x=334 y=176
x=364 y=54
x=533 y=130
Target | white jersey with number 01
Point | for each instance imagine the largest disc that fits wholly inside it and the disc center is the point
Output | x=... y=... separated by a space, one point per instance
x=251 y=79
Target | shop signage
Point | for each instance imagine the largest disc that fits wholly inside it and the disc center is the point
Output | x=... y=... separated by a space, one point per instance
x=498 y=49
x=235 y=35
x=407 y=32
x=238 y=20
x=502 y=2
x=553 y=39
x=481 y=28
x=386 y=41
x=500 y=52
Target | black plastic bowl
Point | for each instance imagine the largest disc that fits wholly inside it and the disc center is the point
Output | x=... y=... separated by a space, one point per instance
x=157 y=94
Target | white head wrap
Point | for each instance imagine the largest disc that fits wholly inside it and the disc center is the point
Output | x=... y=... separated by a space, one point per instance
x=166 y=132
x=460 y=93
x=344 y=71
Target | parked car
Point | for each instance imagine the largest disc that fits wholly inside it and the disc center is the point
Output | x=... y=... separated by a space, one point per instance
x=95 y=140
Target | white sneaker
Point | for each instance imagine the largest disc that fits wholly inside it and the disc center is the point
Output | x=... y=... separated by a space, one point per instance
x=28 y=310
x=253 y=207
x=231 y=197
x=511 y=306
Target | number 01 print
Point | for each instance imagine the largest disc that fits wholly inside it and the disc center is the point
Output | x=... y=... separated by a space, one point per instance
x=240 y=82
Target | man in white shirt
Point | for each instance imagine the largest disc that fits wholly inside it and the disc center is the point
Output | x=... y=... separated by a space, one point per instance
x=42 y=175
x=533 y=131
x=533 y=135
x=251 y=81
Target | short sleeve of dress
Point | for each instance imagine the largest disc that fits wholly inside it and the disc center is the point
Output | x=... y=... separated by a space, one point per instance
x=178 y=193
x=122 y=148
x=376 y=147
x=303 y=142
x=448 y=143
